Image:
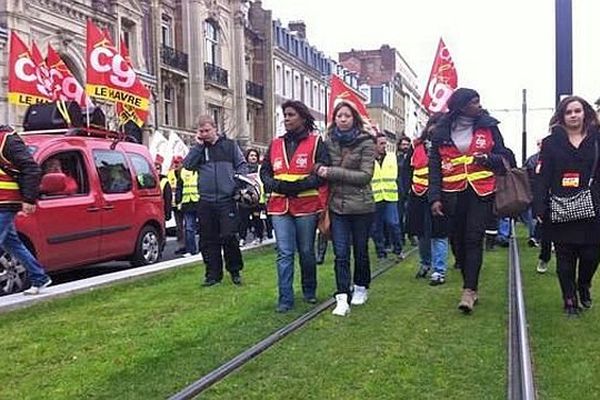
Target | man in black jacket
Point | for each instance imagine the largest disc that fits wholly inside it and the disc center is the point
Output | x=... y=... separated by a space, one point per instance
x=217 y=160
x=19 y=183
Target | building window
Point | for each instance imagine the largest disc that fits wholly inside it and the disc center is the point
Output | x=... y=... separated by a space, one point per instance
x=287 y=88
x=307 y=94
x=168 y=97
x=211 y=41
x=278 y=79
x=166 y=29
x=297 y=86
x=316 y=103
x=217 y=114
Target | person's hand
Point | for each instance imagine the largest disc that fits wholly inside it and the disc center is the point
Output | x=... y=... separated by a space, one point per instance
x=28 y=208
x=481 y=158
x=199 y=141
x=436 y=209
x=322 y=172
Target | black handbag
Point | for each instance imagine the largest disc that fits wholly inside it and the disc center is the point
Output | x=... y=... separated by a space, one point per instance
x=578 y=206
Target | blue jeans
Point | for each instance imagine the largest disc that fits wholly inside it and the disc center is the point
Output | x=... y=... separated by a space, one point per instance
x=190 y=218
x=386 y=213
x=352 y=230
x=439 y=254
x=12 y=244
x=528 y=220
x=291 y=234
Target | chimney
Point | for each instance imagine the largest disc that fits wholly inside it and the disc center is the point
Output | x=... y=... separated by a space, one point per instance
x=299 y=27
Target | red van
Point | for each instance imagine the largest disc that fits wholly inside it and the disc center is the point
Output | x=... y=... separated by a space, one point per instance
x=100 y=200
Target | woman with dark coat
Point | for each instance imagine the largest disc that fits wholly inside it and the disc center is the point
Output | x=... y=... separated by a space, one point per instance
x=566 y=166
x=351 y=203
x=466 y=153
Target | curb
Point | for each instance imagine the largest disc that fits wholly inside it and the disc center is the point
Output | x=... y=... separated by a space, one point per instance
x=19 y=300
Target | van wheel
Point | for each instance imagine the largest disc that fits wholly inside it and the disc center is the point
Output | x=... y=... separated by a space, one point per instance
x=13 y=276
x=148 y=247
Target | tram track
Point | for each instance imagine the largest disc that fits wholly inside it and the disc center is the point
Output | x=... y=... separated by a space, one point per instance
x=221 y=372
x=521 y=385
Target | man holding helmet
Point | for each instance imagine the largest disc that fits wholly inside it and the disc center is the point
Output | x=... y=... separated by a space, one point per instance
x=218 y=160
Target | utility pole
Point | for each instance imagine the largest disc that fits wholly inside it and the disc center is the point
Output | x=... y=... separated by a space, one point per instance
x=564 y=48
x=524 y=137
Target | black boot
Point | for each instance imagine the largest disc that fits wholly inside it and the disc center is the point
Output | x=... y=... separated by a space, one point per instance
x=585 y=297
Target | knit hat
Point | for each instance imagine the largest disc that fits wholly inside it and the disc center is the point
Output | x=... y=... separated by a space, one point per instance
x=461 y=98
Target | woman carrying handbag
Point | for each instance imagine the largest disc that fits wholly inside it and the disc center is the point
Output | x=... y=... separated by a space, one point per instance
x=566 y=198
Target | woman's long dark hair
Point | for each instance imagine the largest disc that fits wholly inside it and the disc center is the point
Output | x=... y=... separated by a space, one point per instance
x=359 y=123
x=590 y=118
x=433 y=120
x=253 y=150
x=303 y=111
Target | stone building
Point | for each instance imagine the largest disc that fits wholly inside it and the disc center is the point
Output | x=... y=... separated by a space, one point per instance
x=390 y=85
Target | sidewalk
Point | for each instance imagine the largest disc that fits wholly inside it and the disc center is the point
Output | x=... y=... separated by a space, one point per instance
x=19 y=300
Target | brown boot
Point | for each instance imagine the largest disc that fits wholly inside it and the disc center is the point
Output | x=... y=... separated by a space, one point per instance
x=467 y=300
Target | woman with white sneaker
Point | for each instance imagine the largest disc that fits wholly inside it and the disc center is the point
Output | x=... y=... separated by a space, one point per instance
x=351 y=203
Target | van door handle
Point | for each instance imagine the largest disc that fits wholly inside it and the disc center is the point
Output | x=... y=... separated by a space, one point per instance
x=93 y=209
x=108 y=207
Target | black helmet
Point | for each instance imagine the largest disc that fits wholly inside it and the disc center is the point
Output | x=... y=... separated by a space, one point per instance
x=248 y=192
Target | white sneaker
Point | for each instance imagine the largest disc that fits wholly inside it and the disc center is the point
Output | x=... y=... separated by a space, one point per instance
x=359 y=296
x=186 y=255
x=342 y=308
x=542 y=267
x=33 y=290
x=242 y=242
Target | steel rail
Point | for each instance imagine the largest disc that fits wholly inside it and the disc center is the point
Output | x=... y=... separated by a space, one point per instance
x=197 y=387
x=520 y=372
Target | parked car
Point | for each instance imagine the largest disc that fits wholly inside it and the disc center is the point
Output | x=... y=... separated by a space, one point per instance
x=100 y=200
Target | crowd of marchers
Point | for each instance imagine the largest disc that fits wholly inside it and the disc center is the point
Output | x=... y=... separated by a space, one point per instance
x=438 y=191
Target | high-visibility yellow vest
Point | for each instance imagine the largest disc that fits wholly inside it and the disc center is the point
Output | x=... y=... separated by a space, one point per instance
x=384 y=184
x=163 y=182
x=173 y=182
x=190 y=187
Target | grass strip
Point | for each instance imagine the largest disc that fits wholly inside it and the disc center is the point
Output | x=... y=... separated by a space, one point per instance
x=408 y=342
x=145 y=339
x=564 y=349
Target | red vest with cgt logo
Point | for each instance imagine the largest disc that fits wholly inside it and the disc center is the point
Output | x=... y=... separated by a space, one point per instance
x=460 y=170
x=298 y=167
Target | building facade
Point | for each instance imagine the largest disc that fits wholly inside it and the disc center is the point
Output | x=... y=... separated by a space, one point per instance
x=390 y=85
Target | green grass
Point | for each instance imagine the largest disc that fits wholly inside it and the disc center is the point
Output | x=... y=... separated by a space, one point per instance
x=150 y=338
x=408 y=342
x=565 y=351
x=140 y=340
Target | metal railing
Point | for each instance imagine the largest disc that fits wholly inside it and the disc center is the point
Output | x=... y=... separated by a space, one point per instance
x=520 y=371
x=255 y=90
x=174 y=58
x=215 y=74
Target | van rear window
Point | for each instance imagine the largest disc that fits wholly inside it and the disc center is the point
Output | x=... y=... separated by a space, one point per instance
x=114 y=173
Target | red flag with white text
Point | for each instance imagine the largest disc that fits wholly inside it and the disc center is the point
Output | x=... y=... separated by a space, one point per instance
x=340 y=91
x=24 y=86
x=443 y=80
x=109 y=76
x=126 y=112
x=64 y=85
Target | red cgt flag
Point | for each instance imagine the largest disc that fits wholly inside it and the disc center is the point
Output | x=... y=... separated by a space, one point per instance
x=24 y=85
x=443 y=80
x=340 y=91
x=126 y=112
x=109 y=76
x=64 y=85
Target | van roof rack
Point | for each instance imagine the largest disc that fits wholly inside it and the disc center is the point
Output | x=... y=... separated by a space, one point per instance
x=78 y=131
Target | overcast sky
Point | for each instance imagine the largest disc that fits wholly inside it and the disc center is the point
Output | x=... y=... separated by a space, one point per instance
x=499 y=47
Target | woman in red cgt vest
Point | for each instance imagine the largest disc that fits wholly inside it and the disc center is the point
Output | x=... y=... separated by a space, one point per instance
x=294 y=204
x=466 y=152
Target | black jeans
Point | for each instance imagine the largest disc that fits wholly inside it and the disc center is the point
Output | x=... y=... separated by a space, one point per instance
x=468 y=215
x=219 y=224
x=545 y=244
x=567 y=257
x=351 y=231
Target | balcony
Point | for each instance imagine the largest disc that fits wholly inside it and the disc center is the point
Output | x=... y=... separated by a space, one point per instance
x=174 y=58
x=255 y=90
x=216 y=75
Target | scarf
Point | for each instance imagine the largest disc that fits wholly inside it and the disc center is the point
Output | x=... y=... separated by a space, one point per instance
x=344 y=137
x=462 y=133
